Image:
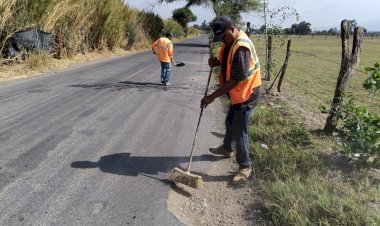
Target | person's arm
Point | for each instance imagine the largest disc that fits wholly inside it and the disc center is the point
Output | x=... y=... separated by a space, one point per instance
x=239 y=72
x=213 y=62
x=219 y=92
x=154 y=46
x=170 y=51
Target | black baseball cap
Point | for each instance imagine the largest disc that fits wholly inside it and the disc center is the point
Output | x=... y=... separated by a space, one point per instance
x=169 y=34
x=219 y=26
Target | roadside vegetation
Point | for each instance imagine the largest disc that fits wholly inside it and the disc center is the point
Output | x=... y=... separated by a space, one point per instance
x=304 y=176
x=80 y=29
x=301 y=180
x=81 y=26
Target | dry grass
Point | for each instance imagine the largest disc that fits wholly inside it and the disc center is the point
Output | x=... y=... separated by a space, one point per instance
x=38 y=64
x=6 y=13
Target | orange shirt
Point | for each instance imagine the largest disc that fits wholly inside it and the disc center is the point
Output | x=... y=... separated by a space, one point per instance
x=163 y=47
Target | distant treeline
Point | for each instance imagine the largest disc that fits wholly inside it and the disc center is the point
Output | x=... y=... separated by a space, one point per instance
x=86 y=25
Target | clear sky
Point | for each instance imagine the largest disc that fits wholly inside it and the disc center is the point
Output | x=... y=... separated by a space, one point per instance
x=321 y=14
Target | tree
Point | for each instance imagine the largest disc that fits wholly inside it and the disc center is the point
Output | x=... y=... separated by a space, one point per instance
x=333 y=31
x=183 y=16
x=234 y=8
x=289 y=31
x=275 y=30
x=231 y=8
x=197 y=26
x=262 y=28
x=205 y=26
x=302 y=28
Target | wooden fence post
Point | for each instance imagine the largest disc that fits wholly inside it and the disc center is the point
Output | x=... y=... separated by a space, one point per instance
x=347 y=67
x=269 y=60
x=248 y=32
x=285 y=66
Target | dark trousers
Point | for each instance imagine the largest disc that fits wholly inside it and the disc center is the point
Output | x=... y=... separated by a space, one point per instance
x=236 y=136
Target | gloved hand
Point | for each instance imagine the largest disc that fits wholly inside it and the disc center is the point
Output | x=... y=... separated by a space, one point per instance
x=213 y=61
x=206 y=101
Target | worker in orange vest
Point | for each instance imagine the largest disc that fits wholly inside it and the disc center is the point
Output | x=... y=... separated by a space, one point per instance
x=163 y=47
x=240 y=79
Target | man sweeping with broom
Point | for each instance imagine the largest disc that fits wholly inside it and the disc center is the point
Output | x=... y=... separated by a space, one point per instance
x=240 y=79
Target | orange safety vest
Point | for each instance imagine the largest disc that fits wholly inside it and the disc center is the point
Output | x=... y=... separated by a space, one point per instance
x=163 y=47
x=243 y=90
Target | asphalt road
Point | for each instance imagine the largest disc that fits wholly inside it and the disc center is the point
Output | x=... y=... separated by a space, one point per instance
x=92 y=145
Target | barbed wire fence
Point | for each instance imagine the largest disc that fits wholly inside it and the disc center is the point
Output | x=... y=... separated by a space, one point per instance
x=323 y=96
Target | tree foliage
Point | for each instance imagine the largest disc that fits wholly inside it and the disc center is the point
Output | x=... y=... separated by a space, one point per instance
x=302 y=28
x=234 y=8
x=152 y=24
x=274 y=30
x=360 y=131
x=173 y=27
x=372 y=83
x=183 y=16
x=231 y=8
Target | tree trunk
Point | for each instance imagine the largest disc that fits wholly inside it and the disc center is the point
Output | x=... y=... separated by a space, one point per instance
x=348 y=65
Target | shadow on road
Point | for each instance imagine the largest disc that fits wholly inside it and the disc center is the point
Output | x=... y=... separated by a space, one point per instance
x=191 y=45
x=140 y=86
x=220 y=135
x=128 y=165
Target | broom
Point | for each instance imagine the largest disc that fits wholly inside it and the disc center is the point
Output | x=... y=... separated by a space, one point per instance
x=184 y=176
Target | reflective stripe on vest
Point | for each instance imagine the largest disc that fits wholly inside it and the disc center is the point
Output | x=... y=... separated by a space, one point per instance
x=159 y=46
x=163 y=48
x=243 y=90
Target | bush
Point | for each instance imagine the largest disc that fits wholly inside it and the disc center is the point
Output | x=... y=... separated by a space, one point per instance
x=193 y=31
x=76 y=25
x=359 y=133
x=38 y=60
x=173 y=27
x=372 y=83
x=293 y=179
x=151 y=24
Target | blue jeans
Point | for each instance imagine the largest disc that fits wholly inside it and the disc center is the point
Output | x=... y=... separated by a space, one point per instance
x=237 y=133
x=165 y=72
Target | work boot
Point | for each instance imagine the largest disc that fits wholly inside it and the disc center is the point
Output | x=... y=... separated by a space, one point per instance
x=242 y=175
x=221 y=151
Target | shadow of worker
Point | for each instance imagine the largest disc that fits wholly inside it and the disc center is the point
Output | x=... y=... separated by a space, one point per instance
x=128 y=165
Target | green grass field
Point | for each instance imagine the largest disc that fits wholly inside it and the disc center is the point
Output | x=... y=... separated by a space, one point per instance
x=314 y=68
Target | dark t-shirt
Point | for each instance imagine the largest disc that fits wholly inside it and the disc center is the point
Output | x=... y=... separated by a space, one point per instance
x=240 y=70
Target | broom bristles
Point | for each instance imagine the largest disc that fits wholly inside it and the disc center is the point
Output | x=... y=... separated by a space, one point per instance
x=186 y=178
